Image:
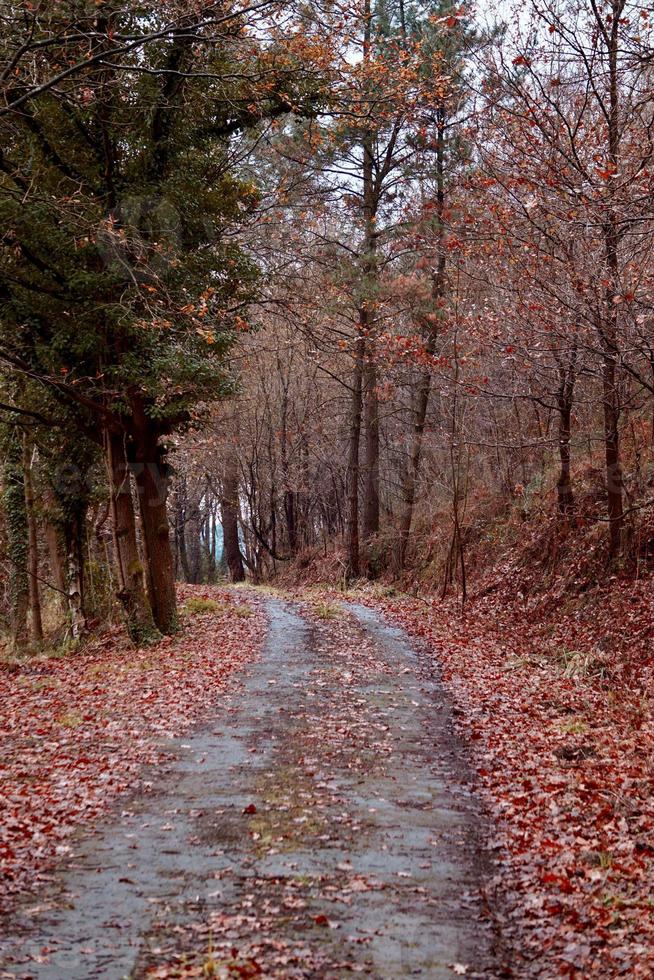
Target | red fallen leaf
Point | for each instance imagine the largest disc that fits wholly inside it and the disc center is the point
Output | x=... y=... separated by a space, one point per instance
x=250 y=808
x=321 y=920
x=560 y=880
x=97 y=725
x=249 y=969
x=551 y=822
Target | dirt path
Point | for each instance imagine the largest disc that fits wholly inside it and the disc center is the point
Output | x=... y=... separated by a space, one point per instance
x=322 y=825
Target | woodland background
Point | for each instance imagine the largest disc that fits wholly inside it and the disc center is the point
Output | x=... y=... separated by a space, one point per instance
x=351 y=294
x=321 y=291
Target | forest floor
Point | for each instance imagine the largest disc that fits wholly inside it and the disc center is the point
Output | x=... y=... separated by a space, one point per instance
x=389 y=785
x=320 y=822
x=554 y=700
x=79 y=728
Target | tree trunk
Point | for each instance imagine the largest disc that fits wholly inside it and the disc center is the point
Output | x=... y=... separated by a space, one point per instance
x=36 y=622
x=430 y=334
x=65 y=537
x=289 y=502
x=609 y=337
x=370 y=515
x=182 y=551
x=55 y=549
x=612 y=453
x=75 y=534
x=565 y=496
x=211 y=544
x=192 y=532
x=138 y=613
x=410 y=480
x=371 y=496
x=17 y=540
x=229 y=518
x=290 y=513
x=305 y=529
x=181 y=514
x=151 y=476
x=352 y=481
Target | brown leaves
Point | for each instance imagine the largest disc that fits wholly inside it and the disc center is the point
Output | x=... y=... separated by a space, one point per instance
x=564 y=764
x=76 y=732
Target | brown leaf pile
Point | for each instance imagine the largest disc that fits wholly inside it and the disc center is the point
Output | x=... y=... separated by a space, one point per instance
x=564 y=754
x=77 y=731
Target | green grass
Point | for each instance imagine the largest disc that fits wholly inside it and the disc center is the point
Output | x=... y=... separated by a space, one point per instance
x=200 y=607
x=325 y=610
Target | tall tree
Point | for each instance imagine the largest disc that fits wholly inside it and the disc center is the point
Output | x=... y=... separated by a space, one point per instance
x=573 y=147
x=124 y=283
x=13 y=496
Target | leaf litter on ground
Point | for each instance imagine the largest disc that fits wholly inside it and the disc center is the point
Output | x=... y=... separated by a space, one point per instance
x=77 y=732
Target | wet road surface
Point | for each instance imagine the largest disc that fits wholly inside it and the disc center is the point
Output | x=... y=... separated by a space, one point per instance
x=321 y=825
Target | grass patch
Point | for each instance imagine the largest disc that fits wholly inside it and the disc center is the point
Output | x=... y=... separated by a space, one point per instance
x=326 y=610
x=45 y=684
x=71 y=720
x=98 y=671
x=243 y=612
x=262 y=587
x=574 y=727
x=200 y=607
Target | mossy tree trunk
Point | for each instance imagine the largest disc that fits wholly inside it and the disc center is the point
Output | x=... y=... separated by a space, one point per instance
x=36 y=622
x=17 y=541
x=75 y=534
x=55 y=548
x=152 y=477
x=138 y=612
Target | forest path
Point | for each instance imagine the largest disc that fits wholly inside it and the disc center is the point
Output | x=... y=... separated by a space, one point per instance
x=323 y=824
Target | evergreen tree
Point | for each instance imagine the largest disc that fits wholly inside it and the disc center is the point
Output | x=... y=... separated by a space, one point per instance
x=123 y=282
